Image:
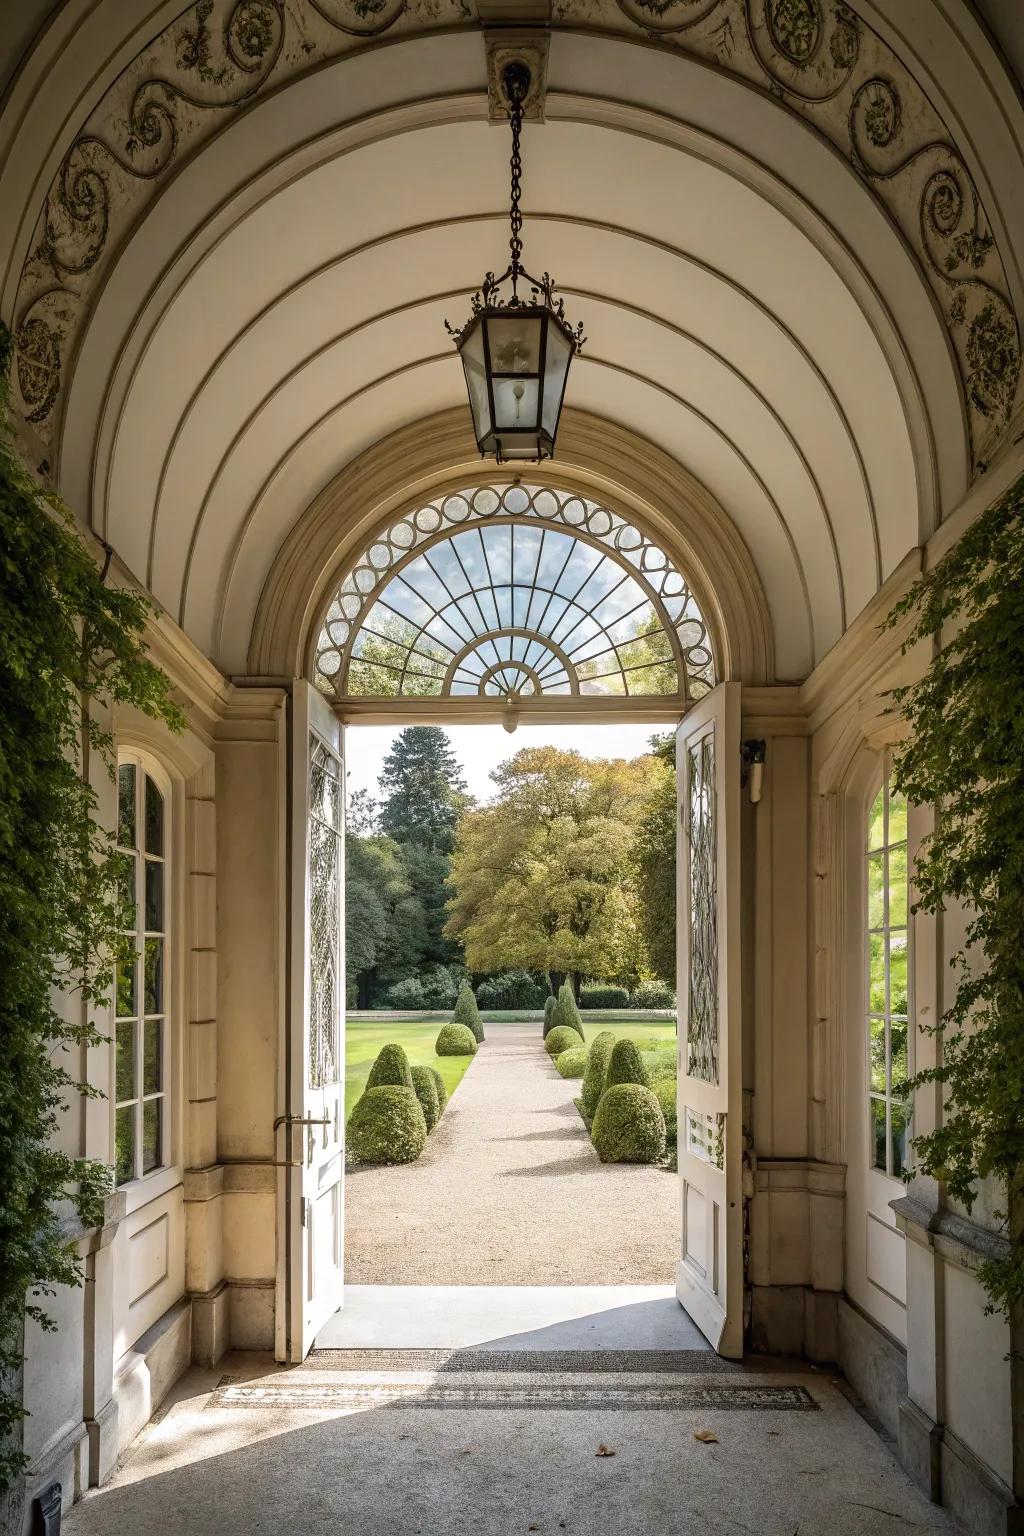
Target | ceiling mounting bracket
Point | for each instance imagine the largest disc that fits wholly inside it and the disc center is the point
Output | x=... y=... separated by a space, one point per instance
x=510 y=45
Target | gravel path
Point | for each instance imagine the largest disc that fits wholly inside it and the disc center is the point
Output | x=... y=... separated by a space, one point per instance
x=511 y=1192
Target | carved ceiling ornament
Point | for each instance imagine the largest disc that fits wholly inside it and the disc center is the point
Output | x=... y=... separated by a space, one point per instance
x=816 y=57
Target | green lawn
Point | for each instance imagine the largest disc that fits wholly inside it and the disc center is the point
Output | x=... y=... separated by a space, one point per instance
x=363 y=1040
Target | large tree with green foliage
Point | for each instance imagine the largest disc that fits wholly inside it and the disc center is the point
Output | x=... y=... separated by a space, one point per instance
x=542 y=875
x=423 y=791
x=964 y=754
x=70 y=644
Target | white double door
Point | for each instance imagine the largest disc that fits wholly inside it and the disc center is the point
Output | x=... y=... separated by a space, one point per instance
x=309 y=1139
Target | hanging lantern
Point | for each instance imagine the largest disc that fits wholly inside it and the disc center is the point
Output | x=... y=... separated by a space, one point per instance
x=516 y=352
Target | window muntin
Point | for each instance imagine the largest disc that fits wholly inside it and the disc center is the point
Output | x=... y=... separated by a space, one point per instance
x=887 y=980
x=516 y=591
x=141 y=1127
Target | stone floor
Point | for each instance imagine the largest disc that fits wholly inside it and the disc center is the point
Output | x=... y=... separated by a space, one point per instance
x=387 y=1444
x=511 y=1192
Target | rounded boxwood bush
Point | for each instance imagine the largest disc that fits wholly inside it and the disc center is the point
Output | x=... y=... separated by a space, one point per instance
x=665 y=1090
x=601 y=994
x=425 y=1090
x=629 y=1126
x=567 y=1014
x=455 y=1040
x=597 y=1070
x=561 y=1039
x=391 y=1069
x=442 y=1091
x=573 y=1062
x=467 y=1012
x=627 y=1065
x=387 y=1126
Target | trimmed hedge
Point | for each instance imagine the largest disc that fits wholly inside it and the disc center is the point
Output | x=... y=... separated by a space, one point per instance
x=573 y=1062
x=565 y=1014
x=597 y=1070
x=561 y=1039
x=665 y=1091
x=442 y=1091
x=467 y=1012
x=391 y=1069
x=510 y=989
x=654 y=994
x=455 y=1040
x=387 y=1126
x=627 y=1065
x=426 y=1091
x=629 y=1126
x=550 y=1003
x=601 y=995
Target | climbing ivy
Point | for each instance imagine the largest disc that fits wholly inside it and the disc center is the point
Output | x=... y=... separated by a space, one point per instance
x=964 y=754
x=68 y=643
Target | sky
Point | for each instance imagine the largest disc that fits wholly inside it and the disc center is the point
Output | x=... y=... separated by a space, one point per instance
x=480 y=748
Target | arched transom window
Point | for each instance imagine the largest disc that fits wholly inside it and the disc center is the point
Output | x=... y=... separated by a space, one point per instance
x=513 y=592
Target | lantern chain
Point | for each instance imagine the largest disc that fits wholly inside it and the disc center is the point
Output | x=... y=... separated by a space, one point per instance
x=516 y=81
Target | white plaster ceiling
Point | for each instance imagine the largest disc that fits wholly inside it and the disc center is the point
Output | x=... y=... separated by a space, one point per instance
x=749 y=305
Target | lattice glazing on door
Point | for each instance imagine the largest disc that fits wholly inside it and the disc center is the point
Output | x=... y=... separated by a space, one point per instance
x=702 y=1022
x=325 y=982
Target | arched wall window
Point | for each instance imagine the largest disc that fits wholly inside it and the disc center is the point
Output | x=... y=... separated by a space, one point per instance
x=512 y=592
x=142 y=1122
x=888 y=979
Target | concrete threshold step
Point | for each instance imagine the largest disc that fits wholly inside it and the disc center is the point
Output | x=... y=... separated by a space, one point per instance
x=524 y=1361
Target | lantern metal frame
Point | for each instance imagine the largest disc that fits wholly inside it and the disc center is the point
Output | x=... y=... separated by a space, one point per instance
x=542 y=311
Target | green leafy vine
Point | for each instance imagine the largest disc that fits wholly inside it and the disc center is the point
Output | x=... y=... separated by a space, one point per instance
x=964 y=754
x=69 y=645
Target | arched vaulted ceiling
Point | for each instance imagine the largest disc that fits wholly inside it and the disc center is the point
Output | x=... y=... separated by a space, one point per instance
x=228 y=278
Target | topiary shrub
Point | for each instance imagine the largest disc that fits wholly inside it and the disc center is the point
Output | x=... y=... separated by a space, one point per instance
x=391 y=1069
x=455 y=1040
x=627 y=1065
x=550 y=1004
x=425 y=1089
x=654 y=994
x=387 y=1126
x=561 y=1039
x=573 y=1062
x=442 y=1091
x=598 y=1058
x=629 y=1126
x=510 y=989
x=600 y=995
x=565 y=1014
x=665 y=1091
x=467 y=1012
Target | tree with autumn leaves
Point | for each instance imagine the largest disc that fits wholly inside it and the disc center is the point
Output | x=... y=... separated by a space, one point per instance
x=545 y=876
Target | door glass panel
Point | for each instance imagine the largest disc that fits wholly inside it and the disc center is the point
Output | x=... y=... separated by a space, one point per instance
x=152 y=1061
x=126 y=992
x=876 y=821
x=877 y=1037
x=878 y=1133
x=126 y=875
x=876 y=973
x=325 y=983
x=876 y=890
x=702 y=1021
x=152 y=1117
x=124 y=1143
x=154 y=896
x=124 y=1076
x=126 y=805
x=154 y=818
x=898 y=886
x=900 y=1115
x=153 y=992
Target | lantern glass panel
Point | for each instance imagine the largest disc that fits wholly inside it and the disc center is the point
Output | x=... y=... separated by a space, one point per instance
x=514 y=343
x=556 y=367
x=515 y=404
x=472 y=352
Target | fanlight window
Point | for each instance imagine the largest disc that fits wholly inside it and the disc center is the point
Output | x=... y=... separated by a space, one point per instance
x=513 y=592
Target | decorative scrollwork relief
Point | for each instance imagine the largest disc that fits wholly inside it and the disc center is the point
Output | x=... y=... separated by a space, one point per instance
x=824 y=62
x=817 y=57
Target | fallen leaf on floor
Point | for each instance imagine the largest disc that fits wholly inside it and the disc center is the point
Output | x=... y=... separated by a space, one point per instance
x=773 y=1432
x=705 y=1436
x=533 y=1527
x=604 y=1450
x=467 y=1450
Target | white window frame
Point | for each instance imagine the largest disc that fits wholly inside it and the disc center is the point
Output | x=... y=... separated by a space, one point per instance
x=143 y=1187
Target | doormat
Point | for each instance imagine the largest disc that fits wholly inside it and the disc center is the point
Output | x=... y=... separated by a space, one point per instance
x=623 y=1396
